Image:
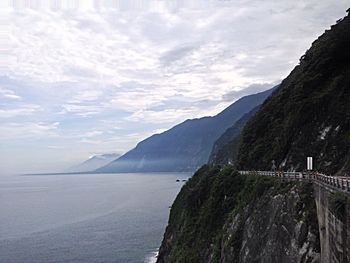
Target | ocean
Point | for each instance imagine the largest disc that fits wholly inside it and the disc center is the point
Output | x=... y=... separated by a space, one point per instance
x=87 y=218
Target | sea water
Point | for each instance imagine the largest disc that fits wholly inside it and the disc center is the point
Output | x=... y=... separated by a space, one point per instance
x=85 y=218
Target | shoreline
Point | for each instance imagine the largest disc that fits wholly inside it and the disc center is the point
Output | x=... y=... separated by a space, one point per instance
x=152 y=258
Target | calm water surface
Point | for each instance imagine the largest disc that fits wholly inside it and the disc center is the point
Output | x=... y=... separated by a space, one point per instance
x=87 y=218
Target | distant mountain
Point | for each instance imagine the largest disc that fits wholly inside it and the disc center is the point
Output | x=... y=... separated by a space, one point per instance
x=309 y=115
x=225 y=148
x=94 y=162
x=186 y=146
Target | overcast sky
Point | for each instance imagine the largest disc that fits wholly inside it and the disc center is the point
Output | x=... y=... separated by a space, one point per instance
x=88 y=77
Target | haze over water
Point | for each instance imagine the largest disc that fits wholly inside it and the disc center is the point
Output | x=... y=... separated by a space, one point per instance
x=84 y=218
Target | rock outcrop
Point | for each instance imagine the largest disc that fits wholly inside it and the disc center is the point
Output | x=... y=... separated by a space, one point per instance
x=221 y=216
x=333 y=213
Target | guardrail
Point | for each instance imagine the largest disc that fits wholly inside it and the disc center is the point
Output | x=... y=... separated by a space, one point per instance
x=338 y=183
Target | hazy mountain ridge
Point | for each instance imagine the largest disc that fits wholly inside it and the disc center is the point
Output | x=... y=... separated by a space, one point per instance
x=186 y=146
x=225 y=148
x=94 y=162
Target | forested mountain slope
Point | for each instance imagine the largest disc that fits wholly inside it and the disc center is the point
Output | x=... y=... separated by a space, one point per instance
x=225 y=148
x=309 y=115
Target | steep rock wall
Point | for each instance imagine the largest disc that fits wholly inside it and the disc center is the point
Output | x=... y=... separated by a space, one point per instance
x=333 y=213
x=278 y=228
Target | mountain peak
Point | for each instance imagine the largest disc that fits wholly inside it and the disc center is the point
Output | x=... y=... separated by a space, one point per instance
x=94 y=162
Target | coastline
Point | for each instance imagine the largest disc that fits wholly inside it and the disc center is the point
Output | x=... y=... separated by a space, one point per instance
x=152 y=258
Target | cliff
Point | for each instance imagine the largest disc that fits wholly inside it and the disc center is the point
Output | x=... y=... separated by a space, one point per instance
x=333 y=213
x=221 y=216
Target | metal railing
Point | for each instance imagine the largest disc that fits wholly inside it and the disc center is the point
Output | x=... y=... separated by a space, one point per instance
x=338 y=183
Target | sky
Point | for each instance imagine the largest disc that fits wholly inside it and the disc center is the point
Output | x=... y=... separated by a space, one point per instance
x=79 y=78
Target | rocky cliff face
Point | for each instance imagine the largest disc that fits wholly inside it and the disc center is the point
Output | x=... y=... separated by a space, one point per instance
x=221 y=216
x=275 y=229
x=333 y=210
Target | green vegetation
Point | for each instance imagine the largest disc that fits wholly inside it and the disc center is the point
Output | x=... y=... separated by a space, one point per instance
x=225 y=149
x=309 y=114
x=202 y=207
x=337 y=204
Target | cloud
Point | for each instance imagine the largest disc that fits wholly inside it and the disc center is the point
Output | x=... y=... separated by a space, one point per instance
x=91 y=141
x=55 y=147
x=8 y=94
x=23 y=110
x=12 y=96
x=182 y=48
x=251 y=89
x=28 y=130
x=176 y=54
x=81 y=110
x=91 y=134
x=144 y=67
x=164 y=116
